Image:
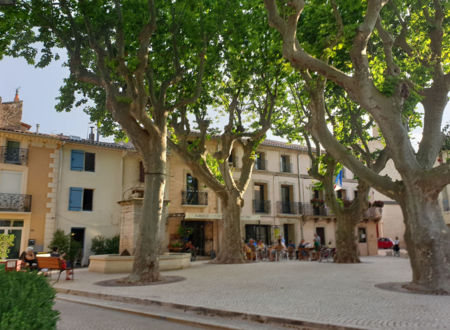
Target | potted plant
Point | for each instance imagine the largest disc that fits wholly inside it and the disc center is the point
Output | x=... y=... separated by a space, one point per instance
x=176 y=247
x=316 y=202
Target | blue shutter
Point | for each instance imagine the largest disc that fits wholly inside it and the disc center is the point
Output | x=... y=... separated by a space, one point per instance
x=77 y=160
x=76 y=195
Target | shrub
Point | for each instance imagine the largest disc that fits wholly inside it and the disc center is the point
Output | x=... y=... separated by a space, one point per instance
x=102 y=245
x=26 y=302
x=60 y=240
x=6 y=241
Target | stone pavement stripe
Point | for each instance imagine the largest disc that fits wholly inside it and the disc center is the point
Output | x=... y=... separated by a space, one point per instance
x=155 y=316
x=208 y=311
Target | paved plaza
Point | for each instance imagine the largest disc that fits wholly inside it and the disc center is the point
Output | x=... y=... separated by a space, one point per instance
x=326 y=293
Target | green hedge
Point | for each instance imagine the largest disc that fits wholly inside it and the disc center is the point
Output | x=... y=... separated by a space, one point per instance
x=26 y=301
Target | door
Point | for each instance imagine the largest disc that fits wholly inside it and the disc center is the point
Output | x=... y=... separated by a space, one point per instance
x=285 y=199
x=77 y=234
x=320 y=231
x=14 y=251
x=191 y=190
x=258 y=232
x=197 y=236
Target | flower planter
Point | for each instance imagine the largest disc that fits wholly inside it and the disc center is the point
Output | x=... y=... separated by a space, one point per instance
x=114 y=263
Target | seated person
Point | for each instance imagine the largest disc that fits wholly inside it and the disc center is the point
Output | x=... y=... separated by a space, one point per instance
x=28 y=258
x=64 y=263
x=252 y=247
x=261 y=249
x=303 y=253
x=278 y=249
x=189 y=247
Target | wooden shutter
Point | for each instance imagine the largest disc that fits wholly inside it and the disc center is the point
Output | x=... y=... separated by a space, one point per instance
x=77 y=160
x=75 y=198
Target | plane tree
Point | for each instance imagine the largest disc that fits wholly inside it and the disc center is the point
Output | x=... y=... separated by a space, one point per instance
x=245 y=94
x=398 y=59
x=351 y=126
x=136 y=62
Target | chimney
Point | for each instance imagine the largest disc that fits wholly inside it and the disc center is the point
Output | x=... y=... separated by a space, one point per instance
x=16 y=98
x=37 y=128
x=11 y=113
x=91 y=134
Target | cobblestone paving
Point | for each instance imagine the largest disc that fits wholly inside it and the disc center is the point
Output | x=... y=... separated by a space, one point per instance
x=310 y=291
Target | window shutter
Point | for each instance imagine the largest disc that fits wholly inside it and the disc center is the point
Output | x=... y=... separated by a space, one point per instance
x=77 y=160
x=76 y=195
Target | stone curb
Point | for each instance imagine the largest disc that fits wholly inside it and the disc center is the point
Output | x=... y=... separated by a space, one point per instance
x=148 y=314
x=257 y=318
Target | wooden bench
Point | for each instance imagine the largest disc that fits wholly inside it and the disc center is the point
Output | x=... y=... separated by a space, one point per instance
x=51 y=263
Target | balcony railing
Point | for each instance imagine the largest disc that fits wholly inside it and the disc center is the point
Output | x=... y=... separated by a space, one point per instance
x=310 y=209
x=286 y=167
x=10 y=155
x=287 y=207
x=15 y=203
x=192 y=197
x=260 y=206
x=260 y=164
x=373 y=213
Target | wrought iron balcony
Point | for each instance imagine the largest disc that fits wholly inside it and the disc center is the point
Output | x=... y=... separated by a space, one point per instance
x=287 y=207
x=260 y=164
x=10 y=155
x=15 y=203
x=314 y=209
x=260 y=206
x=193 y=197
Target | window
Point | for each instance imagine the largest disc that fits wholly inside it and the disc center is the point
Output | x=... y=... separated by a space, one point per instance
x=12 y=152
x=81 y=199
x=285 y=164
x=260 y=162
x=82 y=161
x=287 y=206
x=362 y=235
x=141 y=172
x=342 y=194
x=260 y=202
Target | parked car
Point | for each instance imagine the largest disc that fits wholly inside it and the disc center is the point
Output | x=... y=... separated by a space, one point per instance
x=385 y=243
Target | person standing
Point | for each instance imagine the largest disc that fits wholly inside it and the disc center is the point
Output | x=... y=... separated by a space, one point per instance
x=396 y=247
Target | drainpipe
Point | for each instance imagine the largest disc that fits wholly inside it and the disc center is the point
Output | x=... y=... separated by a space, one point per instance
x=299 y=194
x=60 y=167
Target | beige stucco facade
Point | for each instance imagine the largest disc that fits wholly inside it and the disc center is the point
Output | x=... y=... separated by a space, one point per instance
x=27 y=191
x=106 y=182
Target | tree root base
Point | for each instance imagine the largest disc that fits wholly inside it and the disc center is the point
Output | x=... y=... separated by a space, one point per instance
x=124 y=282
x=409 y=287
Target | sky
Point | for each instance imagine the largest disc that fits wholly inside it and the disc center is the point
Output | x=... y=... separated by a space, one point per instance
x=38 y=89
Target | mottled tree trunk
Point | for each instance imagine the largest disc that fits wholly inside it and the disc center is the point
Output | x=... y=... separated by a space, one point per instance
x=346 y=246
x=230 y=251
x=428 y=241
x=146 y=255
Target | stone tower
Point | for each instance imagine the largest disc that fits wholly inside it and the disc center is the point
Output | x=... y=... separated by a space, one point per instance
x=11 y=113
